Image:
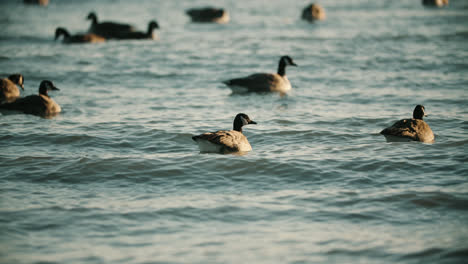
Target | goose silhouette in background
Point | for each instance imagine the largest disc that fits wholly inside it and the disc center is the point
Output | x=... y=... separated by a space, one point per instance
x=40 y=104
x=142 y=35
x=9 y=89
x=414 y=129
x=313 y=12
x=208 y=15
x=226 y=141
x=36 y=2
x=78 y=38
x=264 y=82
x=437 y=3
x=108 y=29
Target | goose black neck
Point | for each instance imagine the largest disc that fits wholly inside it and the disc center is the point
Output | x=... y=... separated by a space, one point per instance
x=65 y=33
x=238 y=125
x=282 y=68
x=418 y=112
x=43 y=92
x=150 y=30
x=417 y=116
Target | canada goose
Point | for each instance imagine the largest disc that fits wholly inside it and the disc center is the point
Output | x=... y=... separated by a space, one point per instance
x=37 y=2
x=141 y=35
x=107 y=29
x=79 y=38
x=8 y=88
x=40 y=104
x=313 y=12
x=208 y=15
x=411 y=129
x=435 y=2
x=264 y=82
x=224 y=141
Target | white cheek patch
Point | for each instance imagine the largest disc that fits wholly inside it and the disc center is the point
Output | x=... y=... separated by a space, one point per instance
x=244 y=121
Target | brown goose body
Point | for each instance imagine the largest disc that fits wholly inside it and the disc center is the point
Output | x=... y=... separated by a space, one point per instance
x=413 y=129
x=260 y=82
x=152 y=25
x=264 y=82
x=106 y=29
x=208 y=15
x=40 y=104
x=226 y=141
x=78 y=38
x=8 y=87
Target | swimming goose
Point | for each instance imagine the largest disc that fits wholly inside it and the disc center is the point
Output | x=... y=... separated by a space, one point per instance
x=8 y=88
x=313 y=12
x=435 y=2
x=37 y=2
x=411 y=129
x=224 y=141
x=40 y=104
x=264 y=82
x=79 y=38
x=107 y=29
x=141 y=35
x=208 y=15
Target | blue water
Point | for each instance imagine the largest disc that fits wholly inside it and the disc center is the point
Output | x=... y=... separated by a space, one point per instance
x=116 y=177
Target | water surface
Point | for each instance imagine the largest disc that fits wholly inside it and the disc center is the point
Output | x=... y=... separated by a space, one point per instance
x=116 y=177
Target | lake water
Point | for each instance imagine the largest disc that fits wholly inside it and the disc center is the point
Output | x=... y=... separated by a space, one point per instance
x=116 y=177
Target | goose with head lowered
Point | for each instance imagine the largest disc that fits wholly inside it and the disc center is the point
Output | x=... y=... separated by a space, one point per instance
x=107 y=29
x=264 y=82
x=8 y=89
x=414 y=129
x=78 y=38
x=40 y=104
x=226 y=141
x=152 y=25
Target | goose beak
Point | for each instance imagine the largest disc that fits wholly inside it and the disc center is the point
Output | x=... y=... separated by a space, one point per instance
x=252 y=122
x=293 y=64
x=22 y=87
x=55 y=88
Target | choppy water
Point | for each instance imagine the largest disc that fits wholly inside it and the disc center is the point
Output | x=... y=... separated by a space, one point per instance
x=116 y=178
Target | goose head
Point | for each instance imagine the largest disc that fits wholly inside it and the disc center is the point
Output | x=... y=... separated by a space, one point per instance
x=93 y=17
x=288 y=61
x=152 y=25
x=419 y=112
x=61 y=31
x=47 y=86
x=242 y=120
x=285 y=61
x=17 y=79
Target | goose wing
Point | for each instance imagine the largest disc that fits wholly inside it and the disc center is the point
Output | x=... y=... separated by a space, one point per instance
x=414 y=129
x=33 y=104
x=259 y=82
x=115 y=26
x=230 y=140
x=110 y=29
